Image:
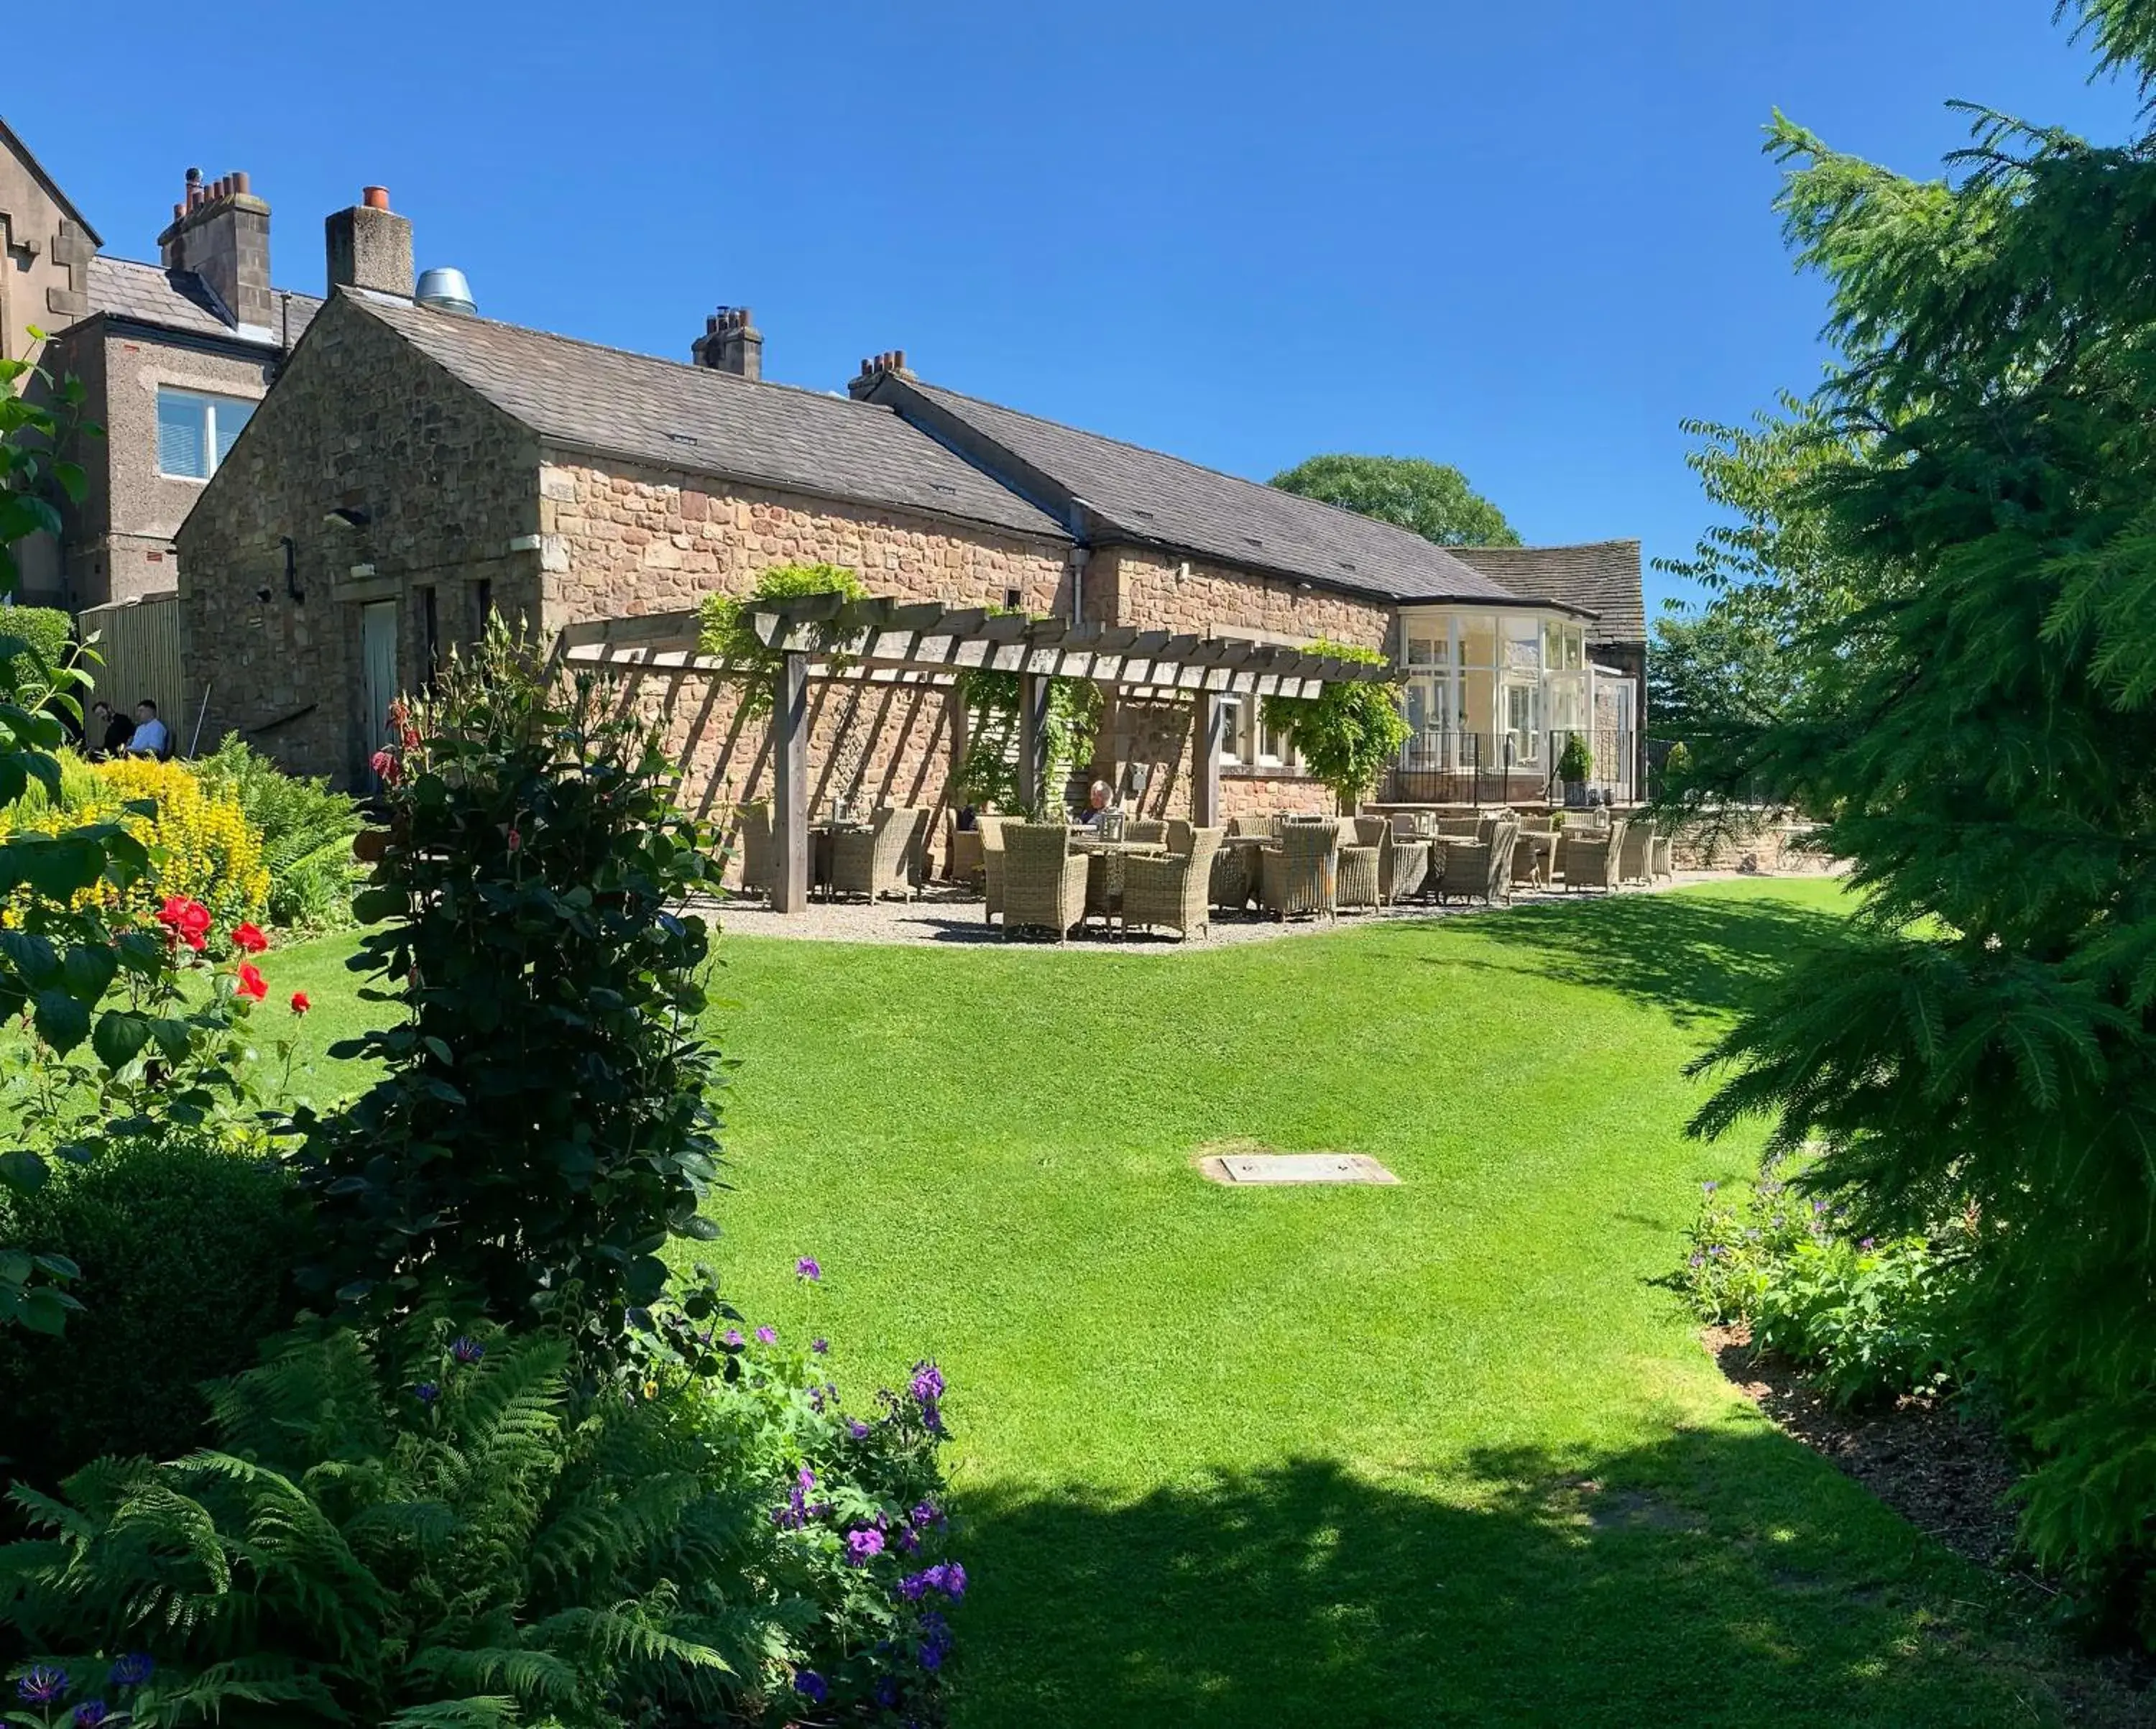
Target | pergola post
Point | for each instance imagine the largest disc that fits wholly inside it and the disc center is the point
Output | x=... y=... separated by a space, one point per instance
x=789 y=773
x=1032 y=740
x=1205 y=766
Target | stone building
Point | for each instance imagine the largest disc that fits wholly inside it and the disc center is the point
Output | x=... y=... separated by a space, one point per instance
x=416 y=466
x=172 y=357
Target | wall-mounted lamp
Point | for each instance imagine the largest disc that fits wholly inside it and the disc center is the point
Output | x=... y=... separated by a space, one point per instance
x=348 y=517
x=291 y=567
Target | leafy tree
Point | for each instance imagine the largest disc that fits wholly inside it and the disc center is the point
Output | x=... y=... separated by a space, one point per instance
x=1350 y=733
x=1776 y=582
x=1430 y=499
x=1980 y=732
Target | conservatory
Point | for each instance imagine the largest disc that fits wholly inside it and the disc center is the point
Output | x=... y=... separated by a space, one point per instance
x=1492 y=695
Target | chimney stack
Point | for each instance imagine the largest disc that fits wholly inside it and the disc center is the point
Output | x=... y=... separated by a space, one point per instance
x=731 y=343
x=891 y=361
x=370 y=246
x=220 y=231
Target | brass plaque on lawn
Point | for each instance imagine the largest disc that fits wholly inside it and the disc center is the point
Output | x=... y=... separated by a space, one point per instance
x=1237 y=1169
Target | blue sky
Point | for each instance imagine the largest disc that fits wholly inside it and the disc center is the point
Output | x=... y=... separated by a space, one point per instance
x=1525 y=239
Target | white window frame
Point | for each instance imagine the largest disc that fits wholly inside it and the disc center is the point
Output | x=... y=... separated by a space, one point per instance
x=209 y=403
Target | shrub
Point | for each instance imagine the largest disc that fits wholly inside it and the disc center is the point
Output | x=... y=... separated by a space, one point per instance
x=187 y=1248
x=437 y=1531
x=988 y=773
x=1875 y=1318
x=541 y=1124
x=45 y=633
x=1575 y=761
x=306 y=832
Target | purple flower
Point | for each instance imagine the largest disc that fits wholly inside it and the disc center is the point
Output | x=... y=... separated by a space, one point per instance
x=1819 y=1209
x=927 y=1381
x=857 y=1428
x=42 y=1685
x=467 y=1350
x=816 y=1399
x=426 y=1392
x=954 y=1580
x=812 y=1686
x=806 y=1268
x=131 y=1670
x=947 y=1577
x=732 y=1336
x=1867 y=1244
x=862 y=1544
x=1708 y=1188
x=805 y=1477
x=90 y=1713
x=926 y=1513
x=1699 y=1260
x=767 y=1335
x=819 y=1345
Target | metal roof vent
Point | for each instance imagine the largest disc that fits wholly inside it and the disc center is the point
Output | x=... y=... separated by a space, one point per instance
x=446 y=291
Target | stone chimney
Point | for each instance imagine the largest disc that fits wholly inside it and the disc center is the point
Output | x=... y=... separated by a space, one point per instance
x=891 y=361
x=220 y=231
x=731 y=343
x=370 y=246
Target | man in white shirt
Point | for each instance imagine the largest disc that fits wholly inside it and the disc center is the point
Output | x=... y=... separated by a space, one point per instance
x=151 y=739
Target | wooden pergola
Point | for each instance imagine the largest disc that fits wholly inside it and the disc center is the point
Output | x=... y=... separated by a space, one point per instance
x=894 y=642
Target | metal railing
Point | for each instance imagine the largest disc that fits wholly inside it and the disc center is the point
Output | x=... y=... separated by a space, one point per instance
x=1439 y=766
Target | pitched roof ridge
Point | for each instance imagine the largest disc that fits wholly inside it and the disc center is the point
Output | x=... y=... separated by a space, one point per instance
x=53 y=189
x=829 y=398
x=1264 y=486
x=1632 y=539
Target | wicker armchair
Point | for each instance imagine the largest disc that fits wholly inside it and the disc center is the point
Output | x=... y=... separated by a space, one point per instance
x=1044 y=879
x=1178 y=837
x=1594 y=861
x=1355 y=879
x=1295 y=877
x=880 y=859
x=1174 y=890
x=1150 y=829
x=992 y=866
x=1231 y=885
x=962 y=855
x=1533 y=865
x=1479 y=870
x=1662 y=859
x=759 y=857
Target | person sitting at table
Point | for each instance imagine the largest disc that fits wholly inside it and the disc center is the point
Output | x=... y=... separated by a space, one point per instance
x=1096 y=805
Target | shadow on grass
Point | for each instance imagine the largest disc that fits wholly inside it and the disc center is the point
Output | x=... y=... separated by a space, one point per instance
x=1724 y=1579
x=1693 y=955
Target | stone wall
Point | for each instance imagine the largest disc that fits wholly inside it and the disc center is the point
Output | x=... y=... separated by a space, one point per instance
x=1153 y=590
x=622 y=540
x=449 y=484
x=44 y=258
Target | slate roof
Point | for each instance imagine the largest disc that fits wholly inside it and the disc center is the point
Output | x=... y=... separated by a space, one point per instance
x=178 y=300
x=703 y=421
x=1150 y=497
x=1601 y=578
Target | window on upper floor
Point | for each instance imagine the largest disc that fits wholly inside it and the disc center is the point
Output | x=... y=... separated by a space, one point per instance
x=195 y=431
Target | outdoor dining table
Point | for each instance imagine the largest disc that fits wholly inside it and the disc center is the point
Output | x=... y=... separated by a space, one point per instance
x=822 y=847
x=1104 y=868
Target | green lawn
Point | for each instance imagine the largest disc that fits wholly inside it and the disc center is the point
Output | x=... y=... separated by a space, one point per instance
x=1438 y=1453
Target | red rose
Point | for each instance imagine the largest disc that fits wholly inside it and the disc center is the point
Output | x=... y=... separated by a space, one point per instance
x=187 y=920
x=249 y=939
x=251 y=984
x=301 y=1005
x=387 y=768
